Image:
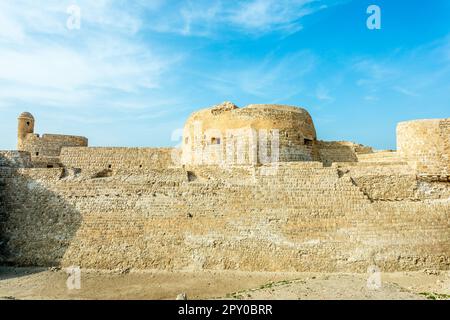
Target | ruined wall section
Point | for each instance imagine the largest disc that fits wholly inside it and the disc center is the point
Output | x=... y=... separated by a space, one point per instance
x=380 y=156
x=425 y=144
x=45 y=150
x=118 y=158
x=15 y=159
x=303 y=218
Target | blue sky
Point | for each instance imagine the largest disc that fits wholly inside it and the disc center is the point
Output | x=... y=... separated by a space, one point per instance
x=134 y=71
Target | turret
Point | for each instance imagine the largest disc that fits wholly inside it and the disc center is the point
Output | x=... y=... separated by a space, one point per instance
x=25 y=127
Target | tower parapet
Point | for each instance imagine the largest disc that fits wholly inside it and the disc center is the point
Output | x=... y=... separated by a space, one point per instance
x=24 y=128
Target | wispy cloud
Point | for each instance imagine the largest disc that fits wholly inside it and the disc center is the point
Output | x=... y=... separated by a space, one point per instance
x=371 y=98
x=43 y=63
x=210 y=17
x=42 y=60
x=198 y=18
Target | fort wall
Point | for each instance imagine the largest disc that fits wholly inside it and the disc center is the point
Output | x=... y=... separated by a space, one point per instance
x=306 y=217
x=327 y=206
x=116 y=158
x=425 y=145
x=15 y=159
x=226 y=133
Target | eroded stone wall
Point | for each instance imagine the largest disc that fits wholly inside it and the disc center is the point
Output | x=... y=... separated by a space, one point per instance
x=300 y=217
x=250 y=146
x=15 y=159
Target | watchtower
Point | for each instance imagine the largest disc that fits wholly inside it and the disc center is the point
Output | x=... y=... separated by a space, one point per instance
x=25 y=127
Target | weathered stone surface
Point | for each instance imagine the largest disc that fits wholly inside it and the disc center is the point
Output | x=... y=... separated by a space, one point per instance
x=45 y=150
x=425 y=144
x=226 y=133
x=99 y=158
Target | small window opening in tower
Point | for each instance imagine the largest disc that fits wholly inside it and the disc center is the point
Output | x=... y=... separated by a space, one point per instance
x=215 y=140
x=308 y=142
x=37 y=153
x=109 y=166
x=28 y=123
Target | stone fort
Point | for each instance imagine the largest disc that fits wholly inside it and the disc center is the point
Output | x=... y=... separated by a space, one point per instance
x=248 y=188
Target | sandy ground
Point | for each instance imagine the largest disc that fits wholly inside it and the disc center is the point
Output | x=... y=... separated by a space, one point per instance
x=35 y=283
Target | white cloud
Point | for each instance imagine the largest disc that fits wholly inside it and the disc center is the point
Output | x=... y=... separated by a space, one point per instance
x=322 y=93
x=198 y=18
x=43 y=62
x=10 y=30
x=44 y=67
x=272 y=79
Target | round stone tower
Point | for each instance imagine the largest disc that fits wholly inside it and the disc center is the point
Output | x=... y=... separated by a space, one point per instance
x=258 y=133
x=25 y=127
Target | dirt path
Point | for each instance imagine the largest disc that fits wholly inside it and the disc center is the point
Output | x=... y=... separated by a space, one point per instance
x=35 y=283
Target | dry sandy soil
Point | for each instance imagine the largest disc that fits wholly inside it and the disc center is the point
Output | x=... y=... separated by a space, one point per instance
x=36 y=283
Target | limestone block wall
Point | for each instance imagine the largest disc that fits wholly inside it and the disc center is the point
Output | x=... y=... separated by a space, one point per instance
x=15 y=159
x=45 y=150
x=383 y=181
x=249 y=146
x=117 y=158
x=302 y=217
x=340 y=151
x=425 y=144
x=226 y=133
